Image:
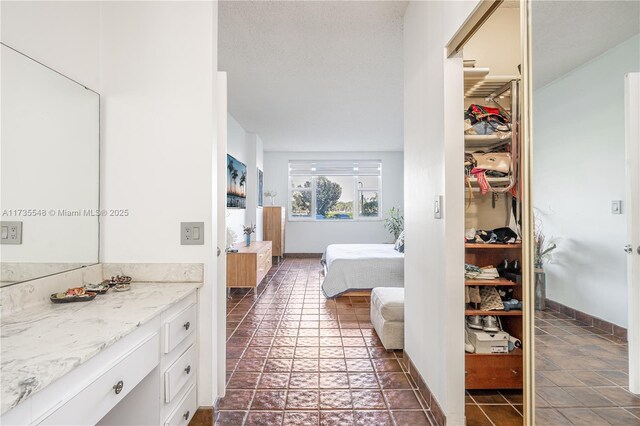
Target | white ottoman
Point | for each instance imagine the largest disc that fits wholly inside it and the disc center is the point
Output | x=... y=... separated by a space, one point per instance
x=387 y=315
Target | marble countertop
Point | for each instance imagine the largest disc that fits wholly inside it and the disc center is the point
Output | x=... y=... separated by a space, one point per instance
x=42 y=344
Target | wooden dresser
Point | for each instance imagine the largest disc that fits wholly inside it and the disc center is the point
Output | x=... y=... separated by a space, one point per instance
x=273 y=220
x=249 y=265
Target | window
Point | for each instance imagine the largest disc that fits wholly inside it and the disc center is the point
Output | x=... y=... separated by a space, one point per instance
x=334 y=190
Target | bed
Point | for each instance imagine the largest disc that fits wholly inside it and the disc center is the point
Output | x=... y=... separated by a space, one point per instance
x=349 y=267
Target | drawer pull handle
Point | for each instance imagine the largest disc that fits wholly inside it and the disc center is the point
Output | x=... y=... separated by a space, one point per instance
x=187 y=325
x=186 y=415
x=515 y=373
x=118 y=387
x=188 y=369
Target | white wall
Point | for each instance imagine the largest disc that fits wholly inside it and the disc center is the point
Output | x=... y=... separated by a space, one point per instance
x=579 y=169
x=246 y=148
x=501 y=29
x=237 y=147
x=159 y=136
x=313 y=237
x=434 y=259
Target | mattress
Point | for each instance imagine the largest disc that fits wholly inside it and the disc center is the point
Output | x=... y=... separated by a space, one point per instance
x=361 y=267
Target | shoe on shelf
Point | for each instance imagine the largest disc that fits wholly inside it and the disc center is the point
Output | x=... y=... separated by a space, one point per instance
x=474 y=295
x=513 y=267
x=474 y=322
x=468 y=346
x=490 y=324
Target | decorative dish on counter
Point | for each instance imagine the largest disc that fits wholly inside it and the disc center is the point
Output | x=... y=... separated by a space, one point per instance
x=118 y=279
x=100 y=288
x=122 y=287
x=77 y=294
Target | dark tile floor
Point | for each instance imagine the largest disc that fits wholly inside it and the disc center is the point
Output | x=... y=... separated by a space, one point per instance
x=297 y=358
x=581 y=374
x=581 y=379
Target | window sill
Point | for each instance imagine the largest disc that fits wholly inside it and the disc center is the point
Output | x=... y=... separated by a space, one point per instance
x=359 y=220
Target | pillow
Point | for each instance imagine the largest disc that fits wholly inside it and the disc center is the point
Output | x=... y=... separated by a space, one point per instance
x=399 y=246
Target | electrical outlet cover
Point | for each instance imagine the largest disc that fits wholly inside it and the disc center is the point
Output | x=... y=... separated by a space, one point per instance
x=192 y=233
x=11 y=232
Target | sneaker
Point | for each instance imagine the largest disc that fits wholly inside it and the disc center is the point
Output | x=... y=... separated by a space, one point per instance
x=468 y=346
x=474 y=322
x=490 y=324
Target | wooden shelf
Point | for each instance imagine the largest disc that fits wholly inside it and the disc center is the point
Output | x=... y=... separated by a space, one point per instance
x=468 y=312
x=496 y=282
x=494 y=181
x=515 y=352
x=474 y=142
x=474 y=246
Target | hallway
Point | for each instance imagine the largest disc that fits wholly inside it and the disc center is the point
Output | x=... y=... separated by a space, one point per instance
x=297 y=358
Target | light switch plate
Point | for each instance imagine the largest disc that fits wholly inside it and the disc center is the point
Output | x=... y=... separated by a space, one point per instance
x=437 y=206
x=616 y=207
x=192 y=233
x=11 y=233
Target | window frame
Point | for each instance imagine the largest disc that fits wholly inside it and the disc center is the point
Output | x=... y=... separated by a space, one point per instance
x=356 y=193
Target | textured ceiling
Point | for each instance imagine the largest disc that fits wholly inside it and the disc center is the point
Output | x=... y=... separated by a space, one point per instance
x=566 y=34
x=315 y=76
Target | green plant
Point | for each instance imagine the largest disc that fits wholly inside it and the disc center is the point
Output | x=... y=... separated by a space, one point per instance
x=394 y=222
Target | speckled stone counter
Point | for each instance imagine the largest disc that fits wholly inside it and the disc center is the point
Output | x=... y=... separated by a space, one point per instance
x=45 y=342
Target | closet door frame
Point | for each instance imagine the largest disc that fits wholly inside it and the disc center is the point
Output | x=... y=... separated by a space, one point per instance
x=453 y=50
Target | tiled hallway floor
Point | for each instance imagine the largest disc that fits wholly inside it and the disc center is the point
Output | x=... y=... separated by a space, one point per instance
x=581 y=379
x=297 y=358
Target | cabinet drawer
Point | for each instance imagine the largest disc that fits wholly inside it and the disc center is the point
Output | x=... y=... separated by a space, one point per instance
x=263 y=268
x=493 y=371
x=179 y=327
x=179 y=374
x=264 y=254
x=97 y=399
x=183 y=414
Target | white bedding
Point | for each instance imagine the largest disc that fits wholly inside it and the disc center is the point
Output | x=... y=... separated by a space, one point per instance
x=361 y=266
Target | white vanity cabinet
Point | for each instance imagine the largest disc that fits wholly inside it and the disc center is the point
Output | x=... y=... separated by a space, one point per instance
x=148 y=376
x=179 y=363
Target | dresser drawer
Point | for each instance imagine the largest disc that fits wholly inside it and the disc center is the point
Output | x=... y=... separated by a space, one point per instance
x=505 y=371
x=263 y=268
x=179 y=374
x=99 y=397
x=265 y=253
x=183 y=414
x=177 y=328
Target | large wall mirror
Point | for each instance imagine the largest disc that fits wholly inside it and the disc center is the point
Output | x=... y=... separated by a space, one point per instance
x=50 y=171
x=587 y=370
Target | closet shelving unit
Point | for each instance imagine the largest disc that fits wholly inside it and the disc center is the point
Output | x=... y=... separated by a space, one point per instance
x=494 y=371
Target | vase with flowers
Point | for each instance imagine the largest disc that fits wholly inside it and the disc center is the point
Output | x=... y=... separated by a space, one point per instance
x=271 y=194
x=247 y=231
x=542 y=253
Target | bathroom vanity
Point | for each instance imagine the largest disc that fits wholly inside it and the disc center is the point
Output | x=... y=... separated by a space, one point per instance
x=126 y=358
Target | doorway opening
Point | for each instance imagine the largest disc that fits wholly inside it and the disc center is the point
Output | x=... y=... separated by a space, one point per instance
x=314 y=160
